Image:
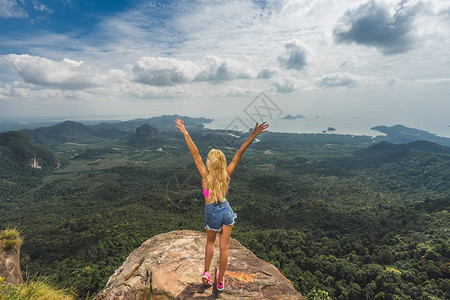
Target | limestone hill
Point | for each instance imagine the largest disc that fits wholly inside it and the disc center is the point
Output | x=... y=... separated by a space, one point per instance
x=17 y=151
x=145 y=135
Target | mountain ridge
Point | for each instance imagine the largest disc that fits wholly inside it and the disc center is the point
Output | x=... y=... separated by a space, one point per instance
x=400 y=134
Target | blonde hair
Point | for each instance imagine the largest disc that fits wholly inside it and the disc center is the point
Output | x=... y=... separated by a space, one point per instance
x=217 y=180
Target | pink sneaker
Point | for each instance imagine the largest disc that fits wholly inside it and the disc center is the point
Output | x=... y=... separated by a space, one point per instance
x=207 y=278
x=219 y=285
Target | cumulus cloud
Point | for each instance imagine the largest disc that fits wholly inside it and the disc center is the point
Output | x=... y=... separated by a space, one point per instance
x=337 y=79
x=372 y=24
x=265 y=74
x=160 y=71
x=236 y=91
x=5 y=90
x=65 y=74
x=294 y=56
x=144 y=91
x=284 y=86
x=217 y=69
x=11 y=9
x=161 y=50
x=437 y=7
x=25 y=91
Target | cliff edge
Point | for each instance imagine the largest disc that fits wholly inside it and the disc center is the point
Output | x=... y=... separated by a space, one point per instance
x=10 y=261
x=170 y=265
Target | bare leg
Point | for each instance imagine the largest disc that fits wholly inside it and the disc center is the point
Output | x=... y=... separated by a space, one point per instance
x=209 y=249
x=223 y=243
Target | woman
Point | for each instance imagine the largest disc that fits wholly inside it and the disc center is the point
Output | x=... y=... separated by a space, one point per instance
x=218 y=214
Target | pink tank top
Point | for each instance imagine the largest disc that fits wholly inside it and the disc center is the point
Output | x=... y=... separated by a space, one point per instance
x=206 y=192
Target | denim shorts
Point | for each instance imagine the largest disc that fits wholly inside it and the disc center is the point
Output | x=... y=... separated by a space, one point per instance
x=218 y=214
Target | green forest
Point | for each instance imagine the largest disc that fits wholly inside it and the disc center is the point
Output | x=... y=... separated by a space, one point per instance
x=341 y=216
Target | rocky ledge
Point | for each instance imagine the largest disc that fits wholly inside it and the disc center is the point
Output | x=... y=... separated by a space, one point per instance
x=10 y=266
x=170 y=265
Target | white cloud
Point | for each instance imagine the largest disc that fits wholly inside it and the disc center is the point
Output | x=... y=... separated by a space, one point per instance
x=41 y=7
x=434 y=80
x=236 y=91
x=18 y=90
x=160 y=71
x=11 y=9
x=266 y=73
x=65 y=74
x=373 y=24
x=144 y=91
x=294 y=56
x=235 y=48
x=5 y=91
x=284 y=86
x=337 y=79
x=217 y=69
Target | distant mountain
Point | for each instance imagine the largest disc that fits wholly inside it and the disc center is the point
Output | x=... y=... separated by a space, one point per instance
x=70 y=131
x=17 y=152
x=165 y=122
x=7 y=126
x=145 y=135
x=400 y=134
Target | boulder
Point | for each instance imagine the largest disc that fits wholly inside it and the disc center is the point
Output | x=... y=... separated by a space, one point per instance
x=170 y=266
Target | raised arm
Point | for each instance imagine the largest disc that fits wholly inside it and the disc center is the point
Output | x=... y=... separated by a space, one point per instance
x=194 y=151
x=237 y=157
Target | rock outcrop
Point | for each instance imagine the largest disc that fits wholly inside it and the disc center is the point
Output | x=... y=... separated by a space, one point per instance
x=34 y=163
x=10 y=266
x=170 y=265
x=145 y=135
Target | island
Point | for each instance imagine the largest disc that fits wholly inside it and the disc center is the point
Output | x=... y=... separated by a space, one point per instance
x=402 y=135
x=290 y=117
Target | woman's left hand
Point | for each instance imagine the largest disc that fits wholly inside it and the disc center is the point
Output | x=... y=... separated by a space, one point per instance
x=180 y=125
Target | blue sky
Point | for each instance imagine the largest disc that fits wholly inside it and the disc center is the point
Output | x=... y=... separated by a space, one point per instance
x=379 y=59
x=77 y=19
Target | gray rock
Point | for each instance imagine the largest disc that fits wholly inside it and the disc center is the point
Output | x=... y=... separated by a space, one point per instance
x=10 y=266
x=170 y=266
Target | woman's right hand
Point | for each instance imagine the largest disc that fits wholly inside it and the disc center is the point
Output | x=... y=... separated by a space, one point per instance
x=180 y=125
x=260 y=128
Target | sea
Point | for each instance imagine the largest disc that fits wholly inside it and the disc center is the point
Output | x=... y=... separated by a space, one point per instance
x=322 y=124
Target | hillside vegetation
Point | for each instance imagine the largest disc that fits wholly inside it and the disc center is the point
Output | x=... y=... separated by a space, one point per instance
x=339 y=215
x=17 y=154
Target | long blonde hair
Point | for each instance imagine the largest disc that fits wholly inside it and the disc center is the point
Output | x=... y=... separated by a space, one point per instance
x=217 y=180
